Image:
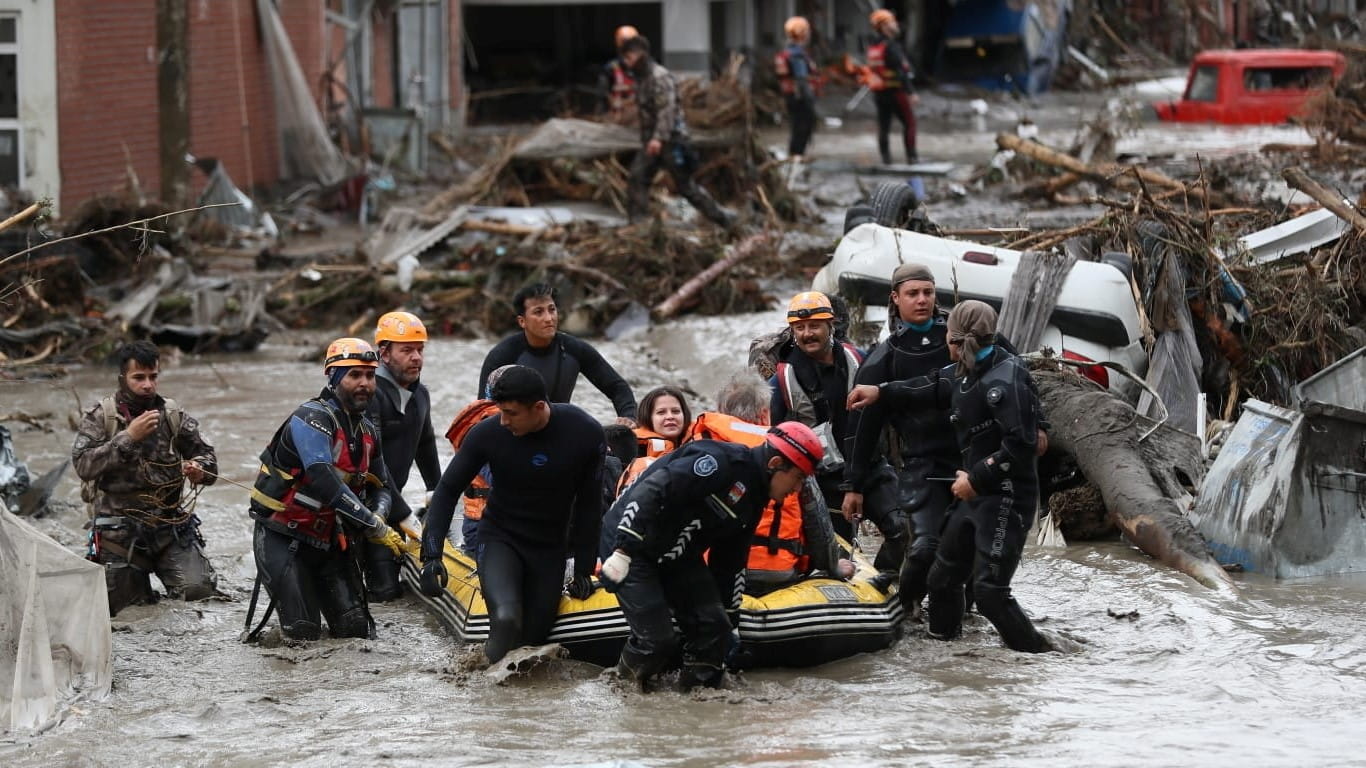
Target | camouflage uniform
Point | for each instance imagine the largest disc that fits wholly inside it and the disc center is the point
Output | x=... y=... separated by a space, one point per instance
x=137 y=524
x=661 y=118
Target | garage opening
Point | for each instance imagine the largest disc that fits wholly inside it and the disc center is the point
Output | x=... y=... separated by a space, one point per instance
x=533 y=62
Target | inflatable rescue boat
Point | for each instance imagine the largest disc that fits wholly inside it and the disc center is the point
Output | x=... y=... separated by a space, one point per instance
x=811 y=622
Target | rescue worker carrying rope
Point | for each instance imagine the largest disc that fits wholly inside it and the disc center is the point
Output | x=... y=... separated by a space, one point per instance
x=322 y=480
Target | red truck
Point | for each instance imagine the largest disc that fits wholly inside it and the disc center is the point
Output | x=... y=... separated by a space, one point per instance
x=1253 y=85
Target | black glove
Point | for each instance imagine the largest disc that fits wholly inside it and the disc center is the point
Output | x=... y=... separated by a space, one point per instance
x=580 y=587
x=433 y=578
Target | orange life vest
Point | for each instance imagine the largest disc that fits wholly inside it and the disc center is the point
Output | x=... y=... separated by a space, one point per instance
x=284 y=493
x=652 y=444
x=881 y=75
x=477 y=494
x=782 y=66
x=778 y=541
x=635 y=470
x=621 y=92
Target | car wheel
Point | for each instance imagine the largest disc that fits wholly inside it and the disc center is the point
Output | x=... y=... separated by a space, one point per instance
x=893 y=203
x=858 y=213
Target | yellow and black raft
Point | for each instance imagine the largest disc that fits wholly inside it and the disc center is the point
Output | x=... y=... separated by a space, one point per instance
x=811 y=622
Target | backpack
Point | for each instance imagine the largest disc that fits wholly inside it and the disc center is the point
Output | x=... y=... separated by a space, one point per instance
x=175 y=417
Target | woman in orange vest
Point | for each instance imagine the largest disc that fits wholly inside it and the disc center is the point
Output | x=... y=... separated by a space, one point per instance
x=663 y=416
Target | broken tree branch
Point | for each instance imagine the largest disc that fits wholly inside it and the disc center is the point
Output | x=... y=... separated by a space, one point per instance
x=125 y=225
x=1333 y=201
x=670 y=306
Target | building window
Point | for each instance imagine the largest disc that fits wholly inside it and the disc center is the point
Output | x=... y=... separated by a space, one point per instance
x=11 y=134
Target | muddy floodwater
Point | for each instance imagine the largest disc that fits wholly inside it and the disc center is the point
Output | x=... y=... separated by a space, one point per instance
x=1169 y=673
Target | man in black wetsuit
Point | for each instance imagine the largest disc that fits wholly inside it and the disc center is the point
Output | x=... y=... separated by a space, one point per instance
x=401 y=411
x=925 y=445
x=994 y=412
x=558 y=357
x=545 y=501
x=705 y=496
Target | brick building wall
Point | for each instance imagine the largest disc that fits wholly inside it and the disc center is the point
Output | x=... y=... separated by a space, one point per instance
x=106 y=95
x=107 y=90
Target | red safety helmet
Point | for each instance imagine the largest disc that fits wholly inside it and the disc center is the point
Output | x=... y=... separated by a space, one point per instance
x=796 y=442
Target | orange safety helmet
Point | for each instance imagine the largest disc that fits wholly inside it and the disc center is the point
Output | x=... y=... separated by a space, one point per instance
x=625 y=32
x=349 y=352
x=810 y=305
x=796 y=28
x=399 y=326
x=796 y=442
x=881 y=16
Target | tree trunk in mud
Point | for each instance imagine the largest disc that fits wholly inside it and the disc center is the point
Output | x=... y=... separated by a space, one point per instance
x=1102 y=434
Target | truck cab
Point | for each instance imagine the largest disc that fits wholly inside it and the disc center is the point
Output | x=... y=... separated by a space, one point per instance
x=1252 y=86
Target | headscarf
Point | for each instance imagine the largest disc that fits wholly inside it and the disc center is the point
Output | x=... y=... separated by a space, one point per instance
x=973 y=323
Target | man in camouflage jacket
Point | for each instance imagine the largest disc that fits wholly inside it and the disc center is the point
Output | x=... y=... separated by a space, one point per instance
x=134 y=462
x=664 y=136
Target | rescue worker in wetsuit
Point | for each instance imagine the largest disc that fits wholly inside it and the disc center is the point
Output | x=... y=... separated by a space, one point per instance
x=322 y=480
x=924 y=440
x=134 y=451
x=476 y=496
x=813 y=377
x=707 y=495
x=664 y=139
x=993 y=410
x=794 y=537
x=545 y=502
x=557 y=356
x=616 y=83
x=796 y=75
x=890 y=80
x=401 y=412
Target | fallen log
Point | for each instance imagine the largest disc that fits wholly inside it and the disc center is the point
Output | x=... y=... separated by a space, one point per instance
x=686 y=292
x=1110 y=173
x=1333 y=201
x=1100 y=432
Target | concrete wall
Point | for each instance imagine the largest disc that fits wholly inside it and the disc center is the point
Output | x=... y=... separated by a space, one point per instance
x=687 y=36
x=38 y=108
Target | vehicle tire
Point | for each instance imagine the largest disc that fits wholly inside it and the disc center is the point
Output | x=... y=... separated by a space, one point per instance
x=1119 y=260
x=857 y=214
x=893 y=203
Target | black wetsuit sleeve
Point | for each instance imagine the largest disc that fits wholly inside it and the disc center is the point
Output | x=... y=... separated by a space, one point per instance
x=868 y=424
x=427 y=462
x=457 y=477
x=587 y=523
x=1013 y=407
x=727 y=563
x=602 y=375
x=641 y=512
x=931 y=391
x=896 y=56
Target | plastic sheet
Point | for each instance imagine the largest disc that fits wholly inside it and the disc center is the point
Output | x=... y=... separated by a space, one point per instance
x=54 y=628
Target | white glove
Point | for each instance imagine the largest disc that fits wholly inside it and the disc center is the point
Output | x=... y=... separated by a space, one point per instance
x=615 y=567
x=411 y=527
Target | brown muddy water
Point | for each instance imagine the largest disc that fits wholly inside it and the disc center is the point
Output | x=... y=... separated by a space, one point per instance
x=1274 y=677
